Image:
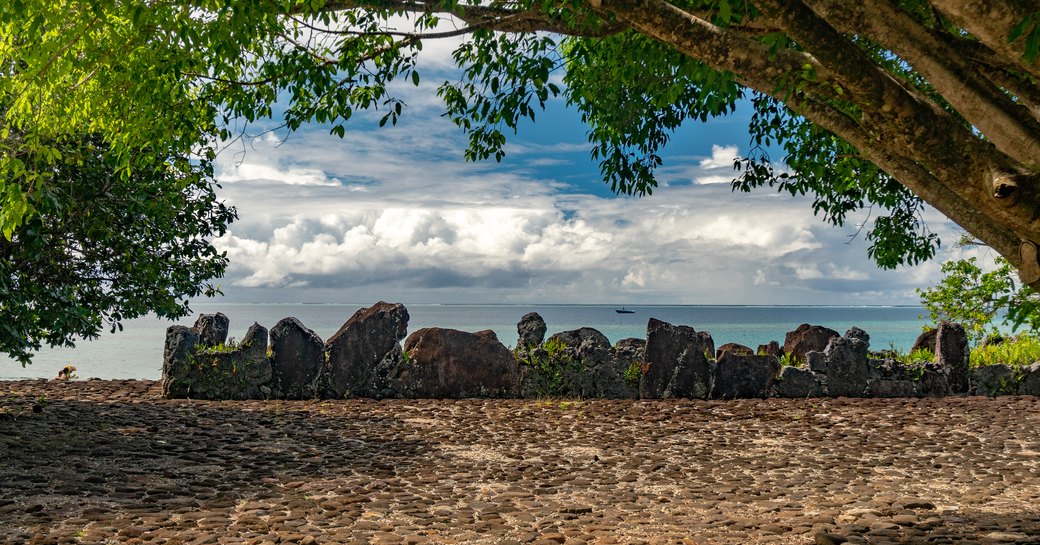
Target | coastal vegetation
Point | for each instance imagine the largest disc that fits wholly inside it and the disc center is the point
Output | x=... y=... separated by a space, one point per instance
x=985 y=302
x=876 y=105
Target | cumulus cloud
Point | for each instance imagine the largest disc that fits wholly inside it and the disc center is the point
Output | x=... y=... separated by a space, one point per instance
x=397 y=214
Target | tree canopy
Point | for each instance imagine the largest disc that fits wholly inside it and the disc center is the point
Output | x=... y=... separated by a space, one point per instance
x=880 y=104
x=101 y=248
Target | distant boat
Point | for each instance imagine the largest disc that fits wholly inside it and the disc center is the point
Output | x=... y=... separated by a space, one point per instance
x=623 y=310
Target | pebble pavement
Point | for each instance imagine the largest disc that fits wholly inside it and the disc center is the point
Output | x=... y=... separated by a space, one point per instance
x=97 y=462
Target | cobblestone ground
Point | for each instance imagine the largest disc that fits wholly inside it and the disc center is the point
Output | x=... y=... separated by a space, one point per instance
x=109 y=461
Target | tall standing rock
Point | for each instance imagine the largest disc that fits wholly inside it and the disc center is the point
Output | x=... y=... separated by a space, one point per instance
x=807 y=338
x=178 y=357
x=952 y=352
x=447 y=363
x=843 y=366
x=212 y=329
x=297 y=358
x=677 y=365
x=531 y=330
x=361 y=355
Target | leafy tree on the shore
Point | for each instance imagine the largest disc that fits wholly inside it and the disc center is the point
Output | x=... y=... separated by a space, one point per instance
x=102 y=248
x=876 y=104
x=981 y=300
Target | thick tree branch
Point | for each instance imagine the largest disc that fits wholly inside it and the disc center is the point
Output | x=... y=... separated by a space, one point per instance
x=1010 y=126
x=991 y=22
x=501 y=19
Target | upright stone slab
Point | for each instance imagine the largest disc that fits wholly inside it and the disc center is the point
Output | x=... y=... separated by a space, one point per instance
x=952 y=352
x=297 y=358
x=843 y=366
x=807 y=338
x=676 y=361
x=178 y=357
x=447 y=363
x=360 y=356
x=531 y=331
x=743 y=376
x=212 y=329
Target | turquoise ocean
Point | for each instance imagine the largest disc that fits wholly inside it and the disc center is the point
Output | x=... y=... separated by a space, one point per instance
x=136 y=352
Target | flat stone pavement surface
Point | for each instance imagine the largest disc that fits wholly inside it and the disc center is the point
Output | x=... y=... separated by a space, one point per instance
x=112 y=462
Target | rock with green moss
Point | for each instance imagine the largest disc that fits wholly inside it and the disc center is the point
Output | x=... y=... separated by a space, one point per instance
x=226 y=371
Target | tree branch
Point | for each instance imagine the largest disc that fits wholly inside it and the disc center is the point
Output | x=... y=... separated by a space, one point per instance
x=1010 y=126
x=992 y=22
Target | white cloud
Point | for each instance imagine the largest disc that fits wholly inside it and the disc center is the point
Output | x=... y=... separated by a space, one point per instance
x=398 y=212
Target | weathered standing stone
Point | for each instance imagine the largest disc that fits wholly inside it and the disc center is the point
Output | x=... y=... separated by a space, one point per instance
x=798 y=382
x=212 y=329
x=1030 y=384
x=742 y=376
x=807 y=338
x=993 y=380
x=447 y=363
x=676 y=362
x=925 y=341
x=178 y=356
x=237 y=373
x=952 y=352
x=771 y=349
x=531 y=330
x=735 y=348
x=297 y=358
x=843 y=366
x=359 y=357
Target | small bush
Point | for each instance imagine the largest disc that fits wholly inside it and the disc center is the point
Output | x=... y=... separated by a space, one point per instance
x=634 y=372
x=1016 y=352
x=223 y=348
x=789 y=360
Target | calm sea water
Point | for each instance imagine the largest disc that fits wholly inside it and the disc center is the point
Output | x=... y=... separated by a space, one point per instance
x=136 y=352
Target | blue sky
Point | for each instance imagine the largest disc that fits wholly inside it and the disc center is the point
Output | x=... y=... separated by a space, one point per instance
x=395 y=213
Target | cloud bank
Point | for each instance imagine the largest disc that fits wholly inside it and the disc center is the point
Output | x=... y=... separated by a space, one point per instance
x=396 y=214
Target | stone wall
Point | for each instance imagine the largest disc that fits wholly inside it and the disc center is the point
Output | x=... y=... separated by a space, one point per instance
x=365 y=358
